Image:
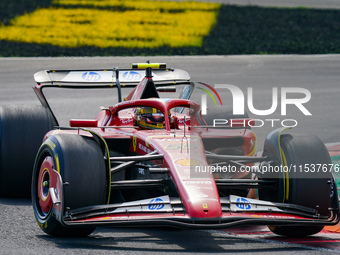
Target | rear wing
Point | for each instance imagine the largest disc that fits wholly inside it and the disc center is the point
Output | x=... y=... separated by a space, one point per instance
x=108 y=78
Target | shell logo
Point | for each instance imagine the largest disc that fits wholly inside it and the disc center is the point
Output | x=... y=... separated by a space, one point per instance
x=188 y=162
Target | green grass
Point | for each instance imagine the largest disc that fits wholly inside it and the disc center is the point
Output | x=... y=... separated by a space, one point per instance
x=256 y=30
x=239 y=30
x=12 y=8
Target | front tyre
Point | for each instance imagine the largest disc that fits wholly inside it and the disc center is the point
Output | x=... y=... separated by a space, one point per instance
x=80 y=163
x=308 y=187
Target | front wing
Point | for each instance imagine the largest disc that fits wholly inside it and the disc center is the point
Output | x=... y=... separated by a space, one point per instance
x=167 y=211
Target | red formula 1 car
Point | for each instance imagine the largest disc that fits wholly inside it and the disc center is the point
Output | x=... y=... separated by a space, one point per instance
x=151 y=161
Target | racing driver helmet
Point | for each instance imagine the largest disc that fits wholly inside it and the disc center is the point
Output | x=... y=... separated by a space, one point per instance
x=149 y=118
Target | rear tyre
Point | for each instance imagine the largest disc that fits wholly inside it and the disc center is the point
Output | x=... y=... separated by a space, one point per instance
x=307 y=188
x=81 y=165
x=22 y=128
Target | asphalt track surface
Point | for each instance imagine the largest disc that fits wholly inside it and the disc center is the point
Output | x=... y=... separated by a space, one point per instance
x=19 y=233
x=319 y=74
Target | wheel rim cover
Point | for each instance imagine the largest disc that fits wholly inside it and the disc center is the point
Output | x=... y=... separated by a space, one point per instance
x=44 y=182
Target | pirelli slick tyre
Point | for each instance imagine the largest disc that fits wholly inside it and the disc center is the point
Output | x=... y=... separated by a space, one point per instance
x=306 y=186
x=80 y=163
x=22 y=128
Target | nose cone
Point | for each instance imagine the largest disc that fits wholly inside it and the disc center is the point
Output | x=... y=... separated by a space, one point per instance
x=201 y=198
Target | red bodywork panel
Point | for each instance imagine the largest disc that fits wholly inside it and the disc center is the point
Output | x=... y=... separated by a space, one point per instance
x=182 y=148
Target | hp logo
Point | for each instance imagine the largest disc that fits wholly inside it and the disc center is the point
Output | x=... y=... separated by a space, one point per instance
x=132 y=76
x=91 y=76
x=243 y=203
x=156 y=204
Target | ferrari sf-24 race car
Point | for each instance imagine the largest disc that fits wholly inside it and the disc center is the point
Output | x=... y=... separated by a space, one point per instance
x=152 y=161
